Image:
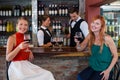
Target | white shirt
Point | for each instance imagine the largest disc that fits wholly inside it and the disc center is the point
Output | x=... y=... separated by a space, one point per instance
x=83 y=26
x=40 y=36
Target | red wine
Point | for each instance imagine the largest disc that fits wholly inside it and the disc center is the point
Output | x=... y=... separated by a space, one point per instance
x=28 y=40
x=53 y=42
x=60 y=42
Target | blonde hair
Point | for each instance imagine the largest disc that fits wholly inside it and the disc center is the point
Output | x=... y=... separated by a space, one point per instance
x=22 y=18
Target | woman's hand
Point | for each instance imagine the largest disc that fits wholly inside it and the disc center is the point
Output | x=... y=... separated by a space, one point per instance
x=105 y=75
x=48 y=44
x=23 y=45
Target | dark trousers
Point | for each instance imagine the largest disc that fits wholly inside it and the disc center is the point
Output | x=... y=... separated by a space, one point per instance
x=90 y=74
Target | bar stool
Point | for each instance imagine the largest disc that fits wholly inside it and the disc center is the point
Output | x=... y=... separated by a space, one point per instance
x=116 y=71
x=7 y=66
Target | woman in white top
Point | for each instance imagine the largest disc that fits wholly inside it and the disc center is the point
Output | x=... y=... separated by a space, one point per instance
x=44 y=35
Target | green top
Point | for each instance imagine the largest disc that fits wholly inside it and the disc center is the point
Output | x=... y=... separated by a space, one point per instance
x=100 y=61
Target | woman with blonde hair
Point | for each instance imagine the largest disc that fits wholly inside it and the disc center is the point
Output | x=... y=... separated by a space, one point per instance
x=103 y=52
x=20 y=67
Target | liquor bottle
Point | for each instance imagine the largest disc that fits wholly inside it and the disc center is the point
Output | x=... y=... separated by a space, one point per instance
x=17 y=10
x=18 y=13
x=119 y=42
x=50 y=9
x=63 y=10
x=42 y=10
x=6 y=11
x=54 y=27
x=3 y=11
x=4 y=27
x=66 y=29
x=59 y=27
x=60 y=10
x=26 y=11
x=11 y=26
x=0 y=26
x=10 y=11
x=66 y=10
x=30 y=10
x=23 y=11
x=55 y=10
x=0 y=11
x=8 y=27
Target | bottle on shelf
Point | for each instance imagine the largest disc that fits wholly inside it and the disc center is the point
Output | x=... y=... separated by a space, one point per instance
x=1 y=26
x=23 y=11
x=53 y=27
x=17 y=10
x=119 y=42
x=26 y=11
x=60 y=10
x=8 y=26
x=50 y=9
x=41 y=10
x=4 y=27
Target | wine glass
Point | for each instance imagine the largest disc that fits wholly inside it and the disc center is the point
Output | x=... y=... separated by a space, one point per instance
x=27 y=38
x=53 y=41
x=78 y=37
x=60 y=42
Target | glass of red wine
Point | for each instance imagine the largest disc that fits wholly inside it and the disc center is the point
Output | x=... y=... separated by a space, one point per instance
x=27 y=38
x=53 y=41
x=78 y=37
x=60 y=42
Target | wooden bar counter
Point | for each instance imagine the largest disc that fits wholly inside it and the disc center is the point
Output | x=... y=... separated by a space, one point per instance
x=67 y=51
x=65 y=65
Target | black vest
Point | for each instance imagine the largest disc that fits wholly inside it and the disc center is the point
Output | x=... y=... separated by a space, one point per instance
x=47 y=37
x=76 y=28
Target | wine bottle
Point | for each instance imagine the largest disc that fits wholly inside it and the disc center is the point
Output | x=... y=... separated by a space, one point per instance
x=30 y=10
x=0 y=11
x=23 y=11
x=11 y=26
x=60 y=10
x=10 y=12
x=0 y=26
x=55 y=10
x=50 y=9
x=119 y=42
x=66 y=10
x=54 y=27
x=15 y=10
x=4 y=27
x=26 y=11
x=18 y=11
x=3 y=12
x=8 y=27
x=42 y=11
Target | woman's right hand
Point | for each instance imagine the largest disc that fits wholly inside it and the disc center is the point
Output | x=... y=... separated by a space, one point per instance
x=23 y=45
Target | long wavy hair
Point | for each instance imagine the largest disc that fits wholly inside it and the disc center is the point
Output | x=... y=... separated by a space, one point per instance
x=101 y=33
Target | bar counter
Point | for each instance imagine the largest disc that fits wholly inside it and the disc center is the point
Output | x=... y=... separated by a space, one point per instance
x=65 y=65
x=46 y=51
x=67 y=51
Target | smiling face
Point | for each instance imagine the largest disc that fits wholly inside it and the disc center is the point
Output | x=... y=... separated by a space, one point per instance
x=96 y=25
x=22 y=26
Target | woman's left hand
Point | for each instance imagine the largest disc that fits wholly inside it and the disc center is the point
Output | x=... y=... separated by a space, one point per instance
x=105 y=75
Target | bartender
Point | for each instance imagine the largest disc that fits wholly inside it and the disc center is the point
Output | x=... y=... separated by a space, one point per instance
x=44 y=35
x=77 y=25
